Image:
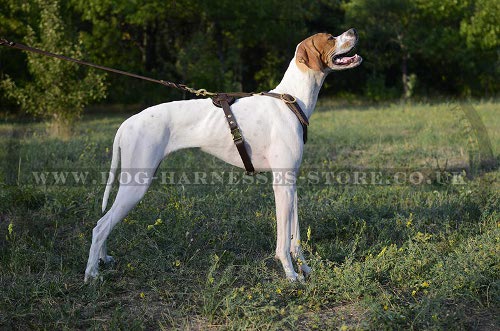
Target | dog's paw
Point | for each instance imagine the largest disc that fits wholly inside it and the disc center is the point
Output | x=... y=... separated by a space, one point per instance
x=292 y=277
x=108 y=259
x=90 y=275
x=306 y=270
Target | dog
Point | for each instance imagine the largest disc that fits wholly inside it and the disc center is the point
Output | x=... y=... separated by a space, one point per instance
x=273 y=138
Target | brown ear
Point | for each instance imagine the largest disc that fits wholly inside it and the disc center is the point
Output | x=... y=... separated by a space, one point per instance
x=308 y=54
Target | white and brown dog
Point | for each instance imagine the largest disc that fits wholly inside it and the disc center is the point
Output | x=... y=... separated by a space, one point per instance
x=272 y=133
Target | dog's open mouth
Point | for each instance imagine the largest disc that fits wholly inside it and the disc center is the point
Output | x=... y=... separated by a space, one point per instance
x=342 y=60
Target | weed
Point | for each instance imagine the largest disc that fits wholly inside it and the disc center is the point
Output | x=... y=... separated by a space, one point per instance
x=384 y=256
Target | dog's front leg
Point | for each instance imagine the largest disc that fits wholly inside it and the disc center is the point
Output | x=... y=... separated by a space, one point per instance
x=284 y=193
x=295 y=247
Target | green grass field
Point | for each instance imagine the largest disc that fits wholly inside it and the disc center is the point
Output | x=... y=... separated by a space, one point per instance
x=385 y=254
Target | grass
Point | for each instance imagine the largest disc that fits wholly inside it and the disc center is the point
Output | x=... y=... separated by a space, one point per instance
x=200 y=257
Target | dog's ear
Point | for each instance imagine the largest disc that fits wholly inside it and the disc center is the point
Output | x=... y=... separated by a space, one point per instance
x=308 y=54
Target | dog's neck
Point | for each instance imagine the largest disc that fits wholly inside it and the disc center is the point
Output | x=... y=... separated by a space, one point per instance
x=303 y=83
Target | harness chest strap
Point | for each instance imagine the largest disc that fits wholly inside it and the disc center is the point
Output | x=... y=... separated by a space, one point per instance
x=224 y=101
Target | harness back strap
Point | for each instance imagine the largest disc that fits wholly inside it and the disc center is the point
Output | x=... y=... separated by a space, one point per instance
x=224 y=101
x=295 y=108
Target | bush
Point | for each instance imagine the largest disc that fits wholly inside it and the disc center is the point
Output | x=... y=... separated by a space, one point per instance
x=376 y=89
x=59 y=90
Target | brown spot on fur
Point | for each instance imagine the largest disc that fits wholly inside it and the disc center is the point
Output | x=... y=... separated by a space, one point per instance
x=313 y=52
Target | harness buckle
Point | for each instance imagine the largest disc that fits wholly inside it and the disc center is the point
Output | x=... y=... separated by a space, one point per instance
x=236 y=133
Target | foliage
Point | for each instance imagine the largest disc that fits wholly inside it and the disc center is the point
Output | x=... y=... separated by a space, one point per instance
x=482 y=28
x=384 y=256
x=214 y=44
x=411 y=49
x=58 y=90
x=433 y=40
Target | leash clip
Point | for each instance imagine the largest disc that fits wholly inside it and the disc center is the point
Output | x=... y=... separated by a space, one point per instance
x=4 y=41
x=199 y=92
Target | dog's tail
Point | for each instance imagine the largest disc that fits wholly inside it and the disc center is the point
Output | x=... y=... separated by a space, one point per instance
x=114 y=165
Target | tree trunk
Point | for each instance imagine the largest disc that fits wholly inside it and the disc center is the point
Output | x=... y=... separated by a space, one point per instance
x=219 y=40
x=148 y=48
x=404 y=76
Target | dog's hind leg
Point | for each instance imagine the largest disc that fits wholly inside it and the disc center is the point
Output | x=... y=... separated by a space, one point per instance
x=138 y=166
x=295 y=246
x=126 y=199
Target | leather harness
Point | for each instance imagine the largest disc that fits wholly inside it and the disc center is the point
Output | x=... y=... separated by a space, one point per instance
x=224 y=101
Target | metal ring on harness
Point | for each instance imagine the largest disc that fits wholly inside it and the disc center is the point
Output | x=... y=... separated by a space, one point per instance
x=287 y=98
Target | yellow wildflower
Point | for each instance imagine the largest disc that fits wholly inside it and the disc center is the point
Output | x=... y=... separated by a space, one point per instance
x=410 y=220
x=382 y=252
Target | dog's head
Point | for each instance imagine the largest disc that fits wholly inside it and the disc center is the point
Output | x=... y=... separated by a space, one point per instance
x=324 y=52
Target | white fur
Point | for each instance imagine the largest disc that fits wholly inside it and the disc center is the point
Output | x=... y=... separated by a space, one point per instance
x=273 y=137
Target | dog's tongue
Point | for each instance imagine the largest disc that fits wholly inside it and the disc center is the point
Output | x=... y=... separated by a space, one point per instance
x=345 y=60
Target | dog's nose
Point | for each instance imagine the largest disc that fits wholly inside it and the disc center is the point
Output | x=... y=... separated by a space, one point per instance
x=352 y=33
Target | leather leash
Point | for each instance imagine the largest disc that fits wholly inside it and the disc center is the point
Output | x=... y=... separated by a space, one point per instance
x=221 y=100
x=182 y=87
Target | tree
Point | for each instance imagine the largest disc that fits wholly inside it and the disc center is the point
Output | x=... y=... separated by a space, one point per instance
x=482 y=31
x=482 y=28
x=425 y=47
x=218 y=45
x=388 y=26
x=59 y=90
